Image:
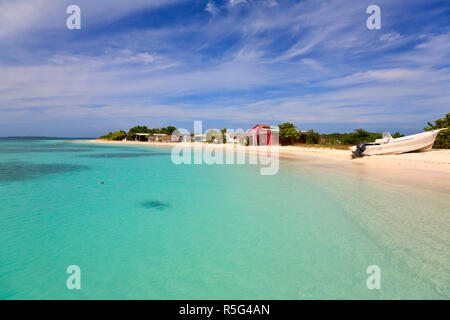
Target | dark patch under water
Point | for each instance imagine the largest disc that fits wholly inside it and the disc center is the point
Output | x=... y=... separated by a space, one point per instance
x=155 y=204
x=36 y=146
x=123 y=155
x=18 y=171
x=40 y=149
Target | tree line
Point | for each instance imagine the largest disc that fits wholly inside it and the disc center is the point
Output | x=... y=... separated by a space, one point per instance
x=131 y=134
x=289 y=134
x=443 y=138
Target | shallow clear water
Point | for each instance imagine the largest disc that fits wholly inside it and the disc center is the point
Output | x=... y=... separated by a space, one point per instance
x=155 y=230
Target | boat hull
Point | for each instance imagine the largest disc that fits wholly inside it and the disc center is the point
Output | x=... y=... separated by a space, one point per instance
x=419 y=142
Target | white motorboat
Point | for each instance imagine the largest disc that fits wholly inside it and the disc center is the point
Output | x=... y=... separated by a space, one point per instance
x=388 y=145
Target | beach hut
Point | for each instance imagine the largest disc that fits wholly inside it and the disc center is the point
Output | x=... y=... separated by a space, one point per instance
x=159 y=137
x=180 y=137
x=263 y=135
x=199 y=137
x=140 y=136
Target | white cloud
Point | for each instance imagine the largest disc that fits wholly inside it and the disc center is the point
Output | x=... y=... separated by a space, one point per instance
x=384 y=75
x=143 y=57
x=391 y=36
x=313 y=64
x=76 y=82
x=211 y=8
x=237 y=2
x=20 y=16
x=271 y=3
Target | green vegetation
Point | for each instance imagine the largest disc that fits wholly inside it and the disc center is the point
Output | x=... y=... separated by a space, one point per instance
x=443 y=138
x=131 y=134
x=116 y=136
x=352 y=138
x=288 y=133
x=137 y=129
x=312 y=137
x=397 y=135
x=167 y=130
x=224 y=137
x=107 y=136
x=360 y=135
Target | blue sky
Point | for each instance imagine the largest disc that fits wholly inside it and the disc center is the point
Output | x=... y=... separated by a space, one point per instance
x=230 y=63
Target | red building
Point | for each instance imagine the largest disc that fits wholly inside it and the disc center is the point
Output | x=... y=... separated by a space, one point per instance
x=265 y=135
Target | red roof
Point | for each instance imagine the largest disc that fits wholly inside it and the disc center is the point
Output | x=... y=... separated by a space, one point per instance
x=260 y=126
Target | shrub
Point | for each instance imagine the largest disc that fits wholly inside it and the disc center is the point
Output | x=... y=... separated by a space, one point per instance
x=118 y=135
x=107 y=136
x=397 y=135
x=443 y=138
x=359 y=136
x=312 y=137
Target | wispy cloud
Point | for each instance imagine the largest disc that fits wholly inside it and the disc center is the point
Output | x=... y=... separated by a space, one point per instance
x=390 y=36
x=237 y=2
x=211 y=8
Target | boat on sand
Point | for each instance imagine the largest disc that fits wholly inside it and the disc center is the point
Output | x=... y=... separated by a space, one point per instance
x=388 y=145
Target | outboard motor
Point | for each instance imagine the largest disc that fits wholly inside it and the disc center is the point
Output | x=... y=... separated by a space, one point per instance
x=359 y=151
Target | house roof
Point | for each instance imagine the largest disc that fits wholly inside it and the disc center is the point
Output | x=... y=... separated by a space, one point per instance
x=263 y=126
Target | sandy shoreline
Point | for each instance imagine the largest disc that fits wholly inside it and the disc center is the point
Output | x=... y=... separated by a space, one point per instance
x=431 y=168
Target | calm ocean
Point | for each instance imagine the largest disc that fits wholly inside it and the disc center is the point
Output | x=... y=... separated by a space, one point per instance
x=155 y=230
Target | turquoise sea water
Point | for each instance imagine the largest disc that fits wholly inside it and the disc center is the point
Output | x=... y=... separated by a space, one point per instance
x=155 y=230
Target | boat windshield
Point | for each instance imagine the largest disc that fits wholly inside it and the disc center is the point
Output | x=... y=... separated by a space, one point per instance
x=385 y=138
